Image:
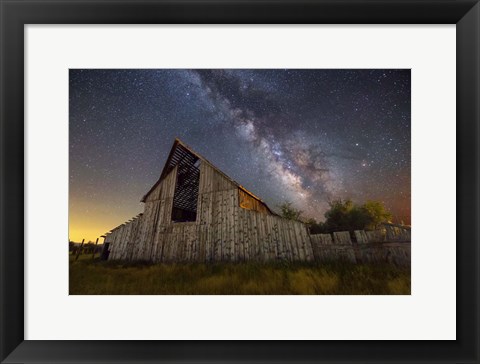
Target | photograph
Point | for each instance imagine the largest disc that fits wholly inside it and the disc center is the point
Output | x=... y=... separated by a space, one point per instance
x=239 y=182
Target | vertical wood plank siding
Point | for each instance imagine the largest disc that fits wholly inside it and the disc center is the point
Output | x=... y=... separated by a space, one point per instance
x=223 y=231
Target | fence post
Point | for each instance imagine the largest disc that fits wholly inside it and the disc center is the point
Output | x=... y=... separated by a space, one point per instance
x=79 y=250
x=94 y=249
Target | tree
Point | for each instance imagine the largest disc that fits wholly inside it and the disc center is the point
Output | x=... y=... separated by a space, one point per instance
x=311 y=222
x=347 y=216
x=377 y=213
x=316 y=227
x=338 y=216
x=289 y=212
x=358 y=218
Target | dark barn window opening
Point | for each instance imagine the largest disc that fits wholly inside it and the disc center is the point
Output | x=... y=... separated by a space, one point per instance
x=186 y=188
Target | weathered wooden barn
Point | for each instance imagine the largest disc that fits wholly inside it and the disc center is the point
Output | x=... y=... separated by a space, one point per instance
x=195 y=212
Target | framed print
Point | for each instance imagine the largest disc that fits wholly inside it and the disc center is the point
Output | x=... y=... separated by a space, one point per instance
x=198 y=218
x=239 y=181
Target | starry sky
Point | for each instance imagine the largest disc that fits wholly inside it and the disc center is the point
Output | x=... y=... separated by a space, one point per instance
x=305 y=136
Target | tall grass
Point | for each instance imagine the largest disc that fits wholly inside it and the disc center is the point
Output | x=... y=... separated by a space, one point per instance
x=93 y=277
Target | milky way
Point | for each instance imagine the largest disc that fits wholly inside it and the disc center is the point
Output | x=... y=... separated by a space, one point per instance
x=305 y=136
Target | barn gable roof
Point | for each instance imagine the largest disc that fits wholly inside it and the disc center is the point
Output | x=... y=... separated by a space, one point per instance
x=180 y=152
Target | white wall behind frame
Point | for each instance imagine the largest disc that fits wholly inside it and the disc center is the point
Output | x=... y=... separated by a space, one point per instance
x=429 y=313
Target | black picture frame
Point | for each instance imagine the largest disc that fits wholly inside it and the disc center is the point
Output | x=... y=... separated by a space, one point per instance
x=15 y=14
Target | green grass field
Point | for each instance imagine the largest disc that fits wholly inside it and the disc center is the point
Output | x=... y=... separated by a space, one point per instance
x=94 y=277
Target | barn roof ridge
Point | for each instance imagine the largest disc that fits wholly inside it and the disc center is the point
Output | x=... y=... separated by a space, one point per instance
x=165 y=171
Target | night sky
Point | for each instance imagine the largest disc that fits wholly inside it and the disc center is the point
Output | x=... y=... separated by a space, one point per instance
x=306 y=136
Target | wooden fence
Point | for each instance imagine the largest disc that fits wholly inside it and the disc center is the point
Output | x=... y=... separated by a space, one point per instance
x=389 y=245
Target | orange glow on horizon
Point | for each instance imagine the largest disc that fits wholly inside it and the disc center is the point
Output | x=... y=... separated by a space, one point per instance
x=91 y=222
